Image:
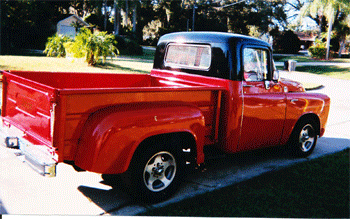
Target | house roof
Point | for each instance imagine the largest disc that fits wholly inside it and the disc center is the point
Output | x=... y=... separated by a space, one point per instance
x=306 y=37
x=77 y=18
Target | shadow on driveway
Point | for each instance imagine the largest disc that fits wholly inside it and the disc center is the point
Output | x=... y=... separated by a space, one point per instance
x=2 y=209
x=220 y=171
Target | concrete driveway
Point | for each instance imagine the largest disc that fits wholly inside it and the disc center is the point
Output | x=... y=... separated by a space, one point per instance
x=22 y=191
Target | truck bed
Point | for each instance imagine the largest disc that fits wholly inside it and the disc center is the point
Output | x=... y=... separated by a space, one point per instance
x=55 y=106
x=70 y=81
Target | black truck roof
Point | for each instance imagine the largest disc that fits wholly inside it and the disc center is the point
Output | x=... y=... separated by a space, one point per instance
x=226 y=51
x=208 y=37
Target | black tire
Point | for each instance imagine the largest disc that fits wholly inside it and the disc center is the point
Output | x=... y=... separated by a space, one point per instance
x=303 y=139
x=155 y=173
x=112 y=179
x=108 y=177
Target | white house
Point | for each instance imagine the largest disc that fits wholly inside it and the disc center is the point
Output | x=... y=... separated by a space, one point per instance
x=66 y=26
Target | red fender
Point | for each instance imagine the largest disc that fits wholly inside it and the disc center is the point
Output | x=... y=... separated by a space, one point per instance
x=111 y=135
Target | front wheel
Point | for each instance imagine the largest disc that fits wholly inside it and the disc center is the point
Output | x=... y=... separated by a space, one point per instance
x=303 y=139
x=156 y=173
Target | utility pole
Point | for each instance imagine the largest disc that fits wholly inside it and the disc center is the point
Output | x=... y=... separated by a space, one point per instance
x=329 y=35
x=105 y=10
x=116 y=18
x=194 y=15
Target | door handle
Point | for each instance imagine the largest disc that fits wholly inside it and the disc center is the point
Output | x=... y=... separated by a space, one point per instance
x=294 y=100
x=247 y=85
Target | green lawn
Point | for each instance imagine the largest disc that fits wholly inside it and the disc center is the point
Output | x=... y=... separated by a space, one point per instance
x=148 y=54
x=312 y=189
x=124 y=64
x=37 y=63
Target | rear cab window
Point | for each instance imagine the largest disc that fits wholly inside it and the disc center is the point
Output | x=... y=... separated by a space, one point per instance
x=188 y=56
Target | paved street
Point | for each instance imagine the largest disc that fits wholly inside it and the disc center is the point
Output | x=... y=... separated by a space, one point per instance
x=22 y=191
x=340 y=64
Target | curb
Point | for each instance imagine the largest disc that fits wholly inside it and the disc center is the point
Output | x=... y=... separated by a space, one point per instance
x=315 y=88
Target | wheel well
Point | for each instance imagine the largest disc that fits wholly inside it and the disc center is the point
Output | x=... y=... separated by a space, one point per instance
x=313 y=118
x=184 y=140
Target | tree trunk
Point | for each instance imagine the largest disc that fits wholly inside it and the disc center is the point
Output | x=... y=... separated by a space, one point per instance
x=341 y=46
x=126 y=13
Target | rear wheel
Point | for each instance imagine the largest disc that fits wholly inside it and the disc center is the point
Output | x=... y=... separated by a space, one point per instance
x=303 y=139
x=155 y=173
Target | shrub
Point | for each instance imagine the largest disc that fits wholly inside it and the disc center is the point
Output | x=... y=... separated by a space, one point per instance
x=73 y=49
x=55 y=45
x=318 y=50
x=92 y=46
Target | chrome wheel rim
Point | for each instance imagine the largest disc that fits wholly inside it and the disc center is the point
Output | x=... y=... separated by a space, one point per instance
x=159 y=171
x=307 y=138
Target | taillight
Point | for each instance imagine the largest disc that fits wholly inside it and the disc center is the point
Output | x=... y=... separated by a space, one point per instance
x=52 y=118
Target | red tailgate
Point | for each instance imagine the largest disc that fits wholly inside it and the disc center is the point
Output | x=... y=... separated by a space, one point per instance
x=27 y=104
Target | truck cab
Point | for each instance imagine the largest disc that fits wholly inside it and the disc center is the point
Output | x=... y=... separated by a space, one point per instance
x=257 y=107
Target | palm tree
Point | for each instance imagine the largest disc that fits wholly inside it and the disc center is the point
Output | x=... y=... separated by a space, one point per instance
x=342 y=29
x=327 y=8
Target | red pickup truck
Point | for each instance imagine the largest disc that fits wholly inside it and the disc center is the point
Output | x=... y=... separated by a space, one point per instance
x=206 y=89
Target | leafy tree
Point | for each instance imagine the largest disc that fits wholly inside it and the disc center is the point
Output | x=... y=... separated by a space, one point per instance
x=328 y=9
x=28 y=24
x=286 y=42
x=212 y=15
x=262 y=14
x=341 y=30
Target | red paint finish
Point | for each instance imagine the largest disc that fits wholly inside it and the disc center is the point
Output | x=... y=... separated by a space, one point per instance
x=101 y=119
x=27 y=105
x=263 y=115
x=116 y=132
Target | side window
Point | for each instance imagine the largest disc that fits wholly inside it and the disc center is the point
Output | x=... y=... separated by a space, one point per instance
x=188 y=56
x=255 y=64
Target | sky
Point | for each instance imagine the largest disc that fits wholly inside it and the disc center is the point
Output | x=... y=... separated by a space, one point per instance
x=307 y=23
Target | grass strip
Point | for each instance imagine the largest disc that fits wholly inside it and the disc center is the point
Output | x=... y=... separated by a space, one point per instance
x=316 y=188
x=302 y=58
x=333 y=71
x=339 y=72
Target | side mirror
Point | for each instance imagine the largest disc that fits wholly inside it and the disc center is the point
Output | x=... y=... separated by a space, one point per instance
x=276 y=75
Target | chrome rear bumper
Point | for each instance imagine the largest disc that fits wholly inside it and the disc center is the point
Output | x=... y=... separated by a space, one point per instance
x=36 y=156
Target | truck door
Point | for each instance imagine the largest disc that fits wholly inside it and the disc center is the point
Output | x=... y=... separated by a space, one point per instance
x=264 y=105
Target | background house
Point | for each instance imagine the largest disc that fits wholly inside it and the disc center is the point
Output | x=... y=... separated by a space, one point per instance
x=306 y=39
x=68 y=26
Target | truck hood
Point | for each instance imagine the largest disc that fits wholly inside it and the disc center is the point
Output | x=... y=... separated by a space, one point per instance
x=293 y=86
